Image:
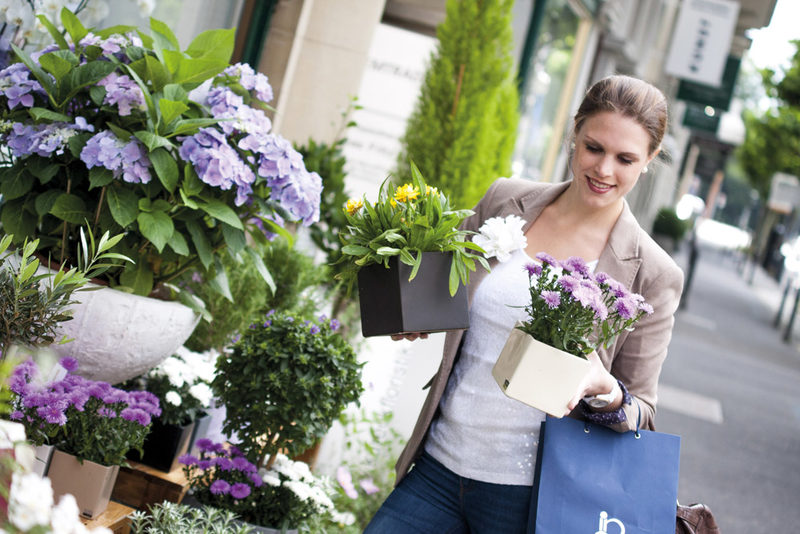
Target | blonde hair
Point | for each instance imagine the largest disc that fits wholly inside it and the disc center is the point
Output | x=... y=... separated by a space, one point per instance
x=631 y=97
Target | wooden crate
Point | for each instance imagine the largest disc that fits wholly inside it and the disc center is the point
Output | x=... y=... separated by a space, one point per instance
x=140 y=486
x=114 y=518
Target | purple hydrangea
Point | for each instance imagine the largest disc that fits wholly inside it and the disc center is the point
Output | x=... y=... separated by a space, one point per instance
x=217 y=163
x=240 y=490
x=127 y=159
x=123 y=92
x=42 y=139
x=17 y=85
x=220 y=487
x=251 y=80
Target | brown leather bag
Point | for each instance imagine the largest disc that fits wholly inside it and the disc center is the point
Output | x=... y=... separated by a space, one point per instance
x=695 y=519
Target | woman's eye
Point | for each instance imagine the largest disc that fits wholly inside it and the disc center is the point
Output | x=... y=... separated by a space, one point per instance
x=625 y=161
x=593 y=148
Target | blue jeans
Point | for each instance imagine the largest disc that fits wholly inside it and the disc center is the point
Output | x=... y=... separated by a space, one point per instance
x=431 y=499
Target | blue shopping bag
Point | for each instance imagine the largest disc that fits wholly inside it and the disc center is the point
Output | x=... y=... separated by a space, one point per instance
x=593 y=480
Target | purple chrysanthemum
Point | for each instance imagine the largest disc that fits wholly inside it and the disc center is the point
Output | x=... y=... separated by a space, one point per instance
x=569 y=283
x=626 y=307
x=533 y=269
x=53 y=414
x=69 y=363
x=240 y=463
x=188 y=459
x=256 y=479
x=136 y=415
x=575 y=264
x=225 y=464
x=240 y=490
x=646 y=308
x=204 y=444
x=551 y=298
x=205 y=464
x=220 y=487
x=544 y=257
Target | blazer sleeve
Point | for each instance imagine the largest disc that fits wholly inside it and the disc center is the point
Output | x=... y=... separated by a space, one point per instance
x=639 y=359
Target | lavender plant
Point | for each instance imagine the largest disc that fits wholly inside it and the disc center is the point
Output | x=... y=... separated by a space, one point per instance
x=170 y=147
x=575 y=310
x=89 y=419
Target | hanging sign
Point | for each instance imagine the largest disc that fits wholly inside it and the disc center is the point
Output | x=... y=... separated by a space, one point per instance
x=702 y=40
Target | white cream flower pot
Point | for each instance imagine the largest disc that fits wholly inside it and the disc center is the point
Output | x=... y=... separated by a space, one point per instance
x=537 y=374
x=118 y=335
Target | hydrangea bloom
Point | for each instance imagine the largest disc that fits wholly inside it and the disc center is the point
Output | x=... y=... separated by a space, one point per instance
x=43 y=139
x=18 y=86
x=123 y=92
x=127 y=159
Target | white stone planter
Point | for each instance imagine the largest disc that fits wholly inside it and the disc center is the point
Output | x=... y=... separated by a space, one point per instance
x=537 y=374
x=118 y=335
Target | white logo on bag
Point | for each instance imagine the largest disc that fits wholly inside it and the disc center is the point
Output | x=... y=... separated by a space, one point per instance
x=605 y=520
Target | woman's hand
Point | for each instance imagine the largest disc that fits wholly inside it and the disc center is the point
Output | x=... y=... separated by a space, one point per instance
x=411 y=336
x=598 y=382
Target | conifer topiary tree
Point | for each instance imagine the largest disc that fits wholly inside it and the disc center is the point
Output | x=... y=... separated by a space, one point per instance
x=462 y=132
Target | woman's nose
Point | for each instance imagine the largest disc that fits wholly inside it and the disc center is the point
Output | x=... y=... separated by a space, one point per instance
x=605 y=166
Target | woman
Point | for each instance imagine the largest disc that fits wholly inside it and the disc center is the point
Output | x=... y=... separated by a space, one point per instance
x=474 y=449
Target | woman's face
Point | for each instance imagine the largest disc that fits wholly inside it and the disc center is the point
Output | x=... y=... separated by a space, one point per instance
x=610 y=152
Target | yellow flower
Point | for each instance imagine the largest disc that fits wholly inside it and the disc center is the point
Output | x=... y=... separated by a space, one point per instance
x=353 y=205
x=431 y=190
x=393 y=202
x=405 y=193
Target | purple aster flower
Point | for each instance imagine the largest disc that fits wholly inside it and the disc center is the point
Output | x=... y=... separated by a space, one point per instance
x=616 y=289
x=646 y=308
x=53 y=414
x=314 y=330
x=69 y=363
x=335 y=324
x=220 y=487
x=240 y=490
x=255 y=479
x=78 y=399
x=627 y=308
x=136 y=415
x=601 y=277
x=226 y=464
x=205 y=444
x=369 y=486
x=114 y=396
x=544 y=257
x=551 y=298
x=267 y=323
x=240 y=463
x=569 y=283
x=533 y=269
x=600 y=309
x=106 y=412
x=16 y=415
x=205 y=464
x=345 y=480
x=576 y=264
x=188 y=459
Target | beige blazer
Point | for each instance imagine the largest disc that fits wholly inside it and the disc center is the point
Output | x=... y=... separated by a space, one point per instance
x=630 y=256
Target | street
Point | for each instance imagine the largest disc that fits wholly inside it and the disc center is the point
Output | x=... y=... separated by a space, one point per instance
x=729 y=388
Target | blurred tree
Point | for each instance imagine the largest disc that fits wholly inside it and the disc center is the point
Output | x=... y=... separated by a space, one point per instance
x=462 y=132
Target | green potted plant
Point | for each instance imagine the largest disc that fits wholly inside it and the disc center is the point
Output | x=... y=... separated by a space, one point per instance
x=182 y=384
x=171 y=148
x=668 y=228
x=92 y=425
x=281 y=498
x=572 y=312
x=284 y=382
x=172 y=517
x=384 y=246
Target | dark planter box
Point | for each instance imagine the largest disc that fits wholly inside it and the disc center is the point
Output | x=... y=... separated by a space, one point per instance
x=163 y=445
x=200 y=430
x=390 y=304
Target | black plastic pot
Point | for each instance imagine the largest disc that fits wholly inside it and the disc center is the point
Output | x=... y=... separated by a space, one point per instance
x=163 y=445
x=390 y=304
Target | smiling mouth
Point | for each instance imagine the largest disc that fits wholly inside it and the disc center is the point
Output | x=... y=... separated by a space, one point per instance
x=599 y=187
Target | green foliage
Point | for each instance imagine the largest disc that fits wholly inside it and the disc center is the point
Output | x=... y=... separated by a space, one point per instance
x=416 y=219
x=32 y=305
x=171 y=225
x=284 y=382
x=772 y=138
x=294 y=273
x=463 y=129
x=170 y=517
x=669 y=224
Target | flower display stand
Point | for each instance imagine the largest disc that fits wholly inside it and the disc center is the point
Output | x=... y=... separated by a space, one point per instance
x=140 y=486
x=115 y=518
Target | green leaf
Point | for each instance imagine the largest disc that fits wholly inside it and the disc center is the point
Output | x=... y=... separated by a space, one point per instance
x=190 y=126
x=121 y=133
x=175 y=92
x=191 y=182
x=77 y=142
x=387 y=251
x=166 y=168
x=163 y=36
x=41 y=76
x=73 y=26
x=258 y=261
x=234 y=239
x=97 y=94
x=48 y=114
x=221 y=211
x=138 y=277
x=196 y=71
x=171 y=109
x=53 y=31
x=188 y=202
x=123 y=205
x=44 y=202
x=220 y=282
x=355 y=250
x=151 y=69
x=70 y=208
x=16 y=183
x=151 y=140
x=100 y=177
x=157 y=227
x=178 y=243
x=213 y=44
x=42 y=168
x=201 y=244
x=80 y=77
x=17 y=220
